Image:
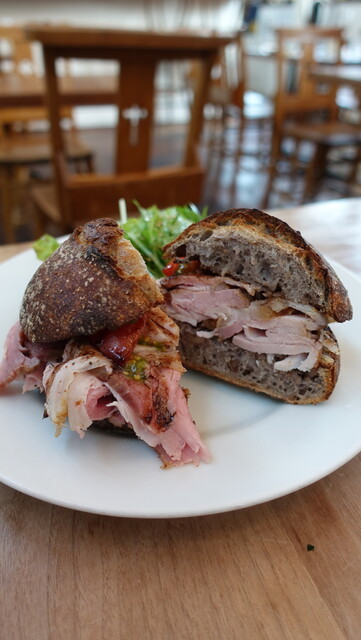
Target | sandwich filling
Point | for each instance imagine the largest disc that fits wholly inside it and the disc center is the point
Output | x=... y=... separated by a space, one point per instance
x=290 y=334
x=129 y=377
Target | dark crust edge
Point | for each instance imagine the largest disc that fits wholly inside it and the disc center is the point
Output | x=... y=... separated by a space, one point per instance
x=337 y=303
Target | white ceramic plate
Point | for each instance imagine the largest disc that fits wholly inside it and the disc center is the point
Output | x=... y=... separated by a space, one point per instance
x=261 y=449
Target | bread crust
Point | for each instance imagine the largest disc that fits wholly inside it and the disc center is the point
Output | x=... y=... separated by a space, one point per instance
x=96 y=280
x=262 y=229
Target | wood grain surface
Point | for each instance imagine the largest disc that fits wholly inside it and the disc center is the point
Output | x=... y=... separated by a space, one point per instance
x=245 y=575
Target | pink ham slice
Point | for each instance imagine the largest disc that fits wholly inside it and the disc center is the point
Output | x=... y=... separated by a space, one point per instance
x=88 y=401
x=197 y=298
x=270 y=326
x=58 y=380
x=206 y=283
x=84 y=388
x=159 y=415
x=24 y=358
x=276 y=342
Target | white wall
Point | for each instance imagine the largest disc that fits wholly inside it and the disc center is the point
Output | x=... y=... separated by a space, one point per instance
x=128 y=14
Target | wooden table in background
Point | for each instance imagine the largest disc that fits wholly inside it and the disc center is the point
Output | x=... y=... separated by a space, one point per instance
x=241 y=575
x=29 y=91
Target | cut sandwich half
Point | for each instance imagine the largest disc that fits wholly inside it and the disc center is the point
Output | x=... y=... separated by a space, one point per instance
x=253 y=301
x=93 y=338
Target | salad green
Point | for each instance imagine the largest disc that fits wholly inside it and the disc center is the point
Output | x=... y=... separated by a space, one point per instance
x=155 y=228
x=148 y=233
x=45 y=246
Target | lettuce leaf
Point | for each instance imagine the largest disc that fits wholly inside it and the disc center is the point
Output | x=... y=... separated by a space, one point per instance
x=155 y=228
x=45 y=246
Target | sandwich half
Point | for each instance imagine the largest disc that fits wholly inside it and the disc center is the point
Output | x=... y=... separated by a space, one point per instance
x=253 y=301
x=93 y=338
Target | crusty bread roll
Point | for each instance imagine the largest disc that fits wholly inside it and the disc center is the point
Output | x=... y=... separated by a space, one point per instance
x=96 y=280
x=263 y=252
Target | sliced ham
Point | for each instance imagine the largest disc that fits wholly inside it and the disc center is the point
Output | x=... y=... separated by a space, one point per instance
x=87 y=386
x=202 y=282
x=58 y=379
x=88 y=400
x=161 y=328
x=82 y=385
x=192 y=305
x=34 y=379
x=159 y=415
x=277 y=342
x=159 y=343
x=272 y=326
x=24 y=358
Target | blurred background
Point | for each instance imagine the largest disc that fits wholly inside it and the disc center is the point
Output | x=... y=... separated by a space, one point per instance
x=262 y=141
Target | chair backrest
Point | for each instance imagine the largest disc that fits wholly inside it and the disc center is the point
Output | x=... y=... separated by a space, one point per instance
x=228 y=74
x=298 y=50
x=20 y=49
x=23 y=63
x=92 y=195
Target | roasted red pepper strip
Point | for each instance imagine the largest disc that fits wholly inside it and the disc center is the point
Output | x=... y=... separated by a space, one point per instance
x=171 y=268
x=180 y=265
x=118 y=345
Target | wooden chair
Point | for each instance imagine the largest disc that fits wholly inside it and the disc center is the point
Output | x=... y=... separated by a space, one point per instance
x=306 y=110
x=76 y=198
x=229 y=96
x=21 y=146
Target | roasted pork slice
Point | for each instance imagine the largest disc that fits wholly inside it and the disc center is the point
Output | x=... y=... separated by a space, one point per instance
x=265 y=325
x=158 y=412
x=25 y=359
x=83 y=386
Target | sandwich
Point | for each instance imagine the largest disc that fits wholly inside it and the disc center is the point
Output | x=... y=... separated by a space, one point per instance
x=93 y=338
x=253 y=301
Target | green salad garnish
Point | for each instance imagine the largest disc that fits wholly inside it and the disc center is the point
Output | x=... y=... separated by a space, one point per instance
x=148 y=233
x=45 y=246
x=155 y=228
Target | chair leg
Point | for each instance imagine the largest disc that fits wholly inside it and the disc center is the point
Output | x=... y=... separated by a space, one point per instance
x=38 y=220
x=352 y=179
x=89 y=164
x=314 y=173
x=239 y=145
x=212 y=141
x=7 y=204
x=294 y=164
x=275 y=154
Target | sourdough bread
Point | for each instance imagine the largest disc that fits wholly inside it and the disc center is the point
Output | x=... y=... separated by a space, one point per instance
x=96 y=280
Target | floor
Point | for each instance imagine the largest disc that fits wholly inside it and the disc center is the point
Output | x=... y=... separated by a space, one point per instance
x=228 y=184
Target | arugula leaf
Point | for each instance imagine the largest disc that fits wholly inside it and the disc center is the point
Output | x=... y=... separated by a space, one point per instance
x=149 y=233
x=155 y=228
x=45 y=246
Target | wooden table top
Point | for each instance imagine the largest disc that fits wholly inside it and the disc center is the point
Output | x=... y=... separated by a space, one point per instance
x=349 y=74
x=58 y=35
x=29 y=91
x=246 y=574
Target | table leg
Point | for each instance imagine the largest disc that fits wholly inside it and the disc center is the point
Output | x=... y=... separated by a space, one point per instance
x=7 y=204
